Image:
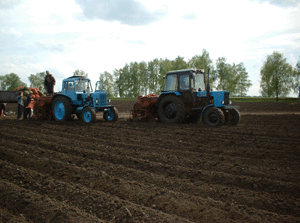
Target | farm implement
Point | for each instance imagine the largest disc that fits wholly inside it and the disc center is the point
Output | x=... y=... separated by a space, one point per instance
x=187 y=98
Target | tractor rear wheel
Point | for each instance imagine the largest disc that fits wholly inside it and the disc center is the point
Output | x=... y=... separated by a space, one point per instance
x=61 y=109
x=213 y=117
x=171 y=110
x=88 y=115
x=232 y=117
x=111 y=115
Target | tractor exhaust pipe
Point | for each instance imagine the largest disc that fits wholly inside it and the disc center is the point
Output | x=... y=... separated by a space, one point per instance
x=208 y=85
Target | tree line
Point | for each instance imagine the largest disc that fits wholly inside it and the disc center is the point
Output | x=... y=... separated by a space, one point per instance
x=147 y=77
x=278 y=78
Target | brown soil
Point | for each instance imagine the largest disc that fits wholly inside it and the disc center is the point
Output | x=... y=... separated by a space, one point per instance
x=150 y=172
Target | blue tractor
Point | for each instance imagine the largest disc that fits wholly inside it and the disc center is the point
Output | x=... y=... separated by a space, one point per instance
x=187 y=98
x=78 y=98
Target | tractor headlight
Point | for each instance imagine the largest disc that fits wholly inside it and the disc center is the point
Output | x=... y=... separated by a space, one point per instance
x=108 y=101
x=96 y=101
x=223 y=102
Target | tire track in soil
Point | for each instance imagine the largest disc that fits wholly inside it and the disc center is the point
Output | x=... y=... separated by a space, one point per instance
x=252 y=141
x=104 y=182
x=243 y=166
x=112 y=156
x=73 y=158
x=160 y=194
x=101 y=204
x=126 y=159
x=49 y=210
x=253 y=203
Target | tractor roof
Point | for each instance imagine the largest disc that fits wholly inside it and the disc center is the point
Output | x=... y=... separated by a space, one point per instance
x=76 y=78
x=182 y=71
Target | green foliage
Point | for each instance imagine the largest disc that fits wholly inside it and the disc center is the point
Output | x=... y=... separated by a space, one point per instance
x=179 y=63
x=226 y=76
x=233 y=78
x=143 y=78
x=37 y=80
x=242 y=79
x=80 y=73
x=204 y=62
x=276 y=76
x=9 y=82
x=296 y=78
x=108 y=83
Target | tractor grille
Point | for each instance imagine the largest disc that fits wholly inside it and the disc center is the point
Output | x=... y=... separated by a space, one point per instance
x=226 y=98
x=103 y=99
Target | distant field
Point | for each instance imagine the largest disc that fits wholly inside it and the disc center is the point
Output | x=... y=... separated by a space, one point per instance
x=239 y=99
x=263 y=99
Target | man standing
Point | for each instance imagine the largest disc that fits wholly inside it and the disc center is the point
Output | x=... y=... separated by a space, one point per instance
x=49 y=83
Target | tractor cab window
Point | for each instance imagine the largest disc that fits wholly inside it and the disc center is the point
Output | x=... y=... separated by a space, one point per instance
x=184 y=81
x=81 y=85
x=199 y=82
x=69 y=86
x=171 y=83
x=99 y=86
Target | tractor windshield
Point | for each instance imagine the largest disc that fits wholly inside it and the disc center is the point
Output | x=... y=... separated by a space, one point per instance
x=198 y=82
x=82 y=85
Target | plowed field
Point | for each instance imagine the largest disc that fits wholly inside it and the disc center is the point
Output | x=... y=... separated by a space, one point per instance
x=151 y=172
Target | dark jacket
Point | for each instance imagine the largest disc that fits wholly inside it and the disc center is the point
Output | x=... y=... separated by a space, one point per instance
x=51 y=82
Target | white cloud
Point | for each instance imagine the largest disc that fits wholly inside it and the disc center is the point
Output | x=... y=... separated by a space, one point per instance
x=51 y=47
x=281 y=3
x=290 y=40
x=8 y=4
x=190 y=16
x=130 y=12
x=11 y=32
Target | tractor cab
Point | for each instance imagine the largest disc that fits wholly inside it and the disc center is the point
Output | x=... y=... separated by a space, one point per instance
x=77 y=88
x=77 y=97
x=189 y=84
x=185 y=80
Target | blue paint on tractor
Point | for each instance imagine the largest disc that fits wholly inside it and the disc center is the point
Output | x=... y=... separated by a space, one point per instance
x=78 y=91
x=189 y=93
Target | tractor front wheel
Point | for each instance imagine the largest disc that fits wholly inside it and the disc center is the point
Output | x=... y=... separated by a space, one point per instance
x=232 y=117
x=213 y=117
x=61 y=109
x=171 y=110
x=111 y=115
x=88 y=115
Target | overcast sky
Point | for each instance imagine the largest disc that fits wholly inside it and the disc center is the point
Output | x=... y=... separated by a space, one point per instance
x=102 y=35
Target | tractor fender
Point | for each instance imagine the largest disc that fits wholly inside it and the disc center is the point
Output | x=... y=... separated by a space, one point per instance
x=61 y=95
x=207 y=106
x=79 y=109
x=164 y=94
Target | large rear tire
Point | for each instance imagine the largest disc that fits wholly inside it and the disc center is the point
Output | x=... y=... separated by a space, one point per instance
x=61 y=109
x=88 y=115
x=111 y=115
x=171 y=110
x=232 y=117
x=213 y=117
